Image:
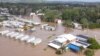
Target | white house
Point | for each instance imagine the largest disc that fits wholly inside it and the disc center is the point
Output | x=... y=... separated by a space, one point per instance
x=62 y=40
x=47 y=27
x=77 y=25
x=59 y=21
x=32 y=14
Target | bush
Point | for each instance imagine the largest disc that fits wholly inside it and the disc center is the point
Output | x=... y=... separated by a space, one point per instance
x=89 y=52
x=94 y=44
x=93 y=26
x=58 y=52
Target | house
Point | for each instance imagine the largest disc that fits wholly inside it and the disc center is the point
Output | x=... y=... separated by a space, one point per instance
x=70 y=42
x=62 y=40
x=77 y=25
x=58 y=21
x=32 y=14
x=47 y=27
x=80 y=42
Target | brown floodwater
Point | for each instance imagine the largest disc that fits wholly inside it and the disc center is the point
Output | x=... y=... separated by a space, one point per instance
x=11 y=47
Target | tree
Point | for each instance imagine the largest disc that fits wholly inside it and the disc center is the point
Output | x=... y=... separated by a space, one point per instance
x=94 y=43
x=68 y=23
x=94 y=25
x=84 y=22
x=51 y=15
x=58 y=52
x=61 y=50
x=81 y=50
x=89 y=52
x=67 y=14
x=98 y=21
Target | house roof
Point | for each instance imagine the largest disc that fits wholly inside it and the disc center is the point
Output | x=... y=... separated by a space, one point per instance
x=83 y=36
x=54 y=45
x=68 y=36
x=61 y=39
x=80 y=43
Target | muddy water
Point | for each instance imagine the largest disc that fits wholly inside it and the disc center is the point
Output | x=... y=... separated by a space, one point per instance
x=10 y=47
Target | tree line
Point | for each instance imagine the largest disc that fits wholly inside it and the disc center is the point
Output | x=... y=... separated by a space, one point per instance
x=87 y=16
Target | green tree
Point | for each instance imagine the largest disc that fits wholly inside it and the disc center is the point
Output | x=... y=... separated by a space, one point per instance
x=68 y=23
x=94 y=43
x=51 y=15
x=81 y=50
x=84 y=22
x=61 y=50
x=89 y=52
x=67 y=14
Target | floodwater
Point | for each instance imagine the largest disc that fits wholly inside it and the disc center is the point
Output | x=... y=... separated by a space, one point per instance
x=11 y=47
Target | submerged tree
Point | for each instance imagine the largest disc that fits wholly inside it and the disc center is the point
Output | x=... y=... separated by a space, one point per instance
x=89 y=52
